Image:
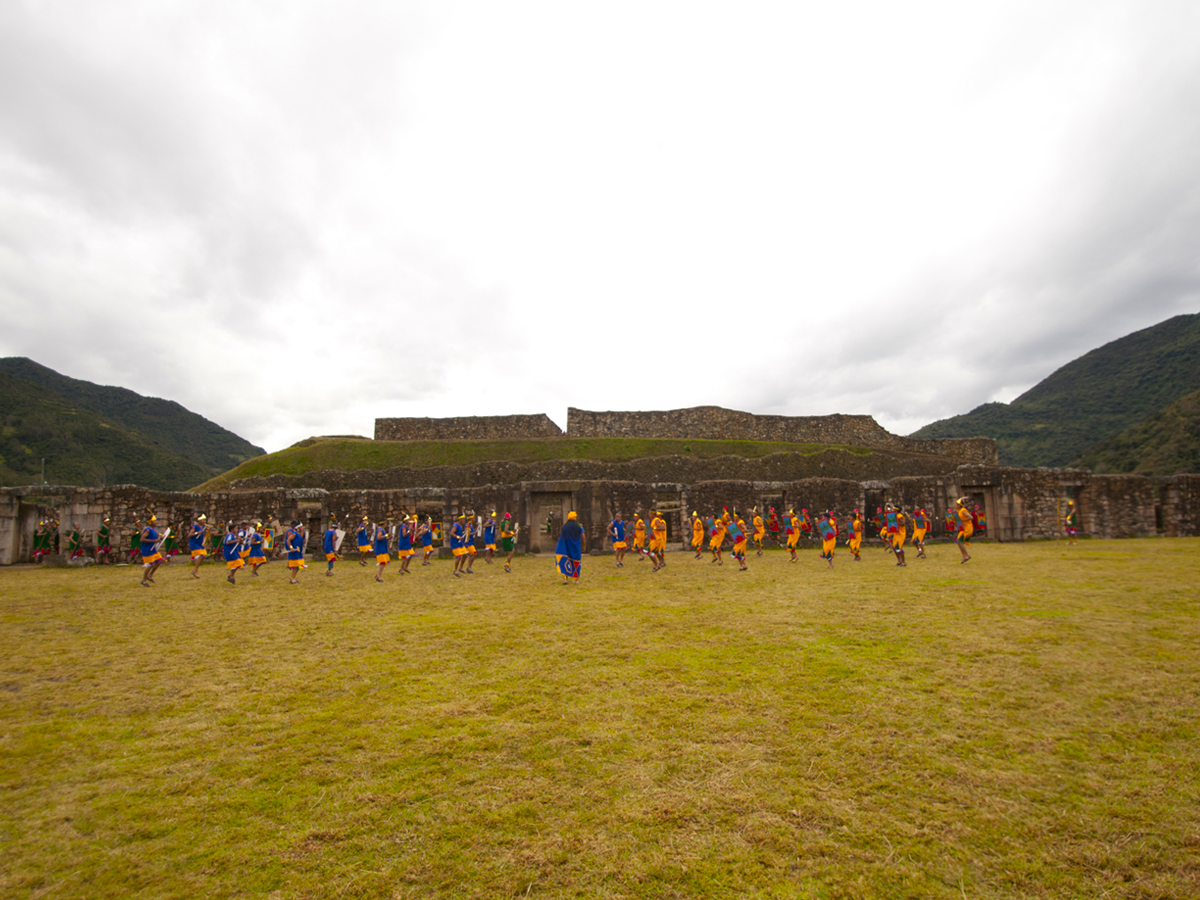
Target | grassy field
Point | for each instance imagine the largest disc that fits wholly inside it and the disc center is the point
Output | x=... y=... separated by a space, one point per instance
x=1022 y=726
x=348 y=455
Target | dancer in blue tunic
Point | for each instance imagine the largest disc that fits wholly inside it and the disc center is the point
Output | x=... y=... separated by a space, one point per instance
x=231 y=551
x=425 y=532
x=616 y=533
x=404 y=542
x=151 y=558
x=195 y=543
x=569 y=552
x=382 y=555
x=294 y=542
x=330 y=546
x=258 y=555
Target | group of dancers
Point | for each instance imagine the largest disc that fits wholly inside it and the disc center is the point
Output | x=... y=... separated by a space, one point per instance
x=648 y=539
x=47 y=540
x=411 y=532
x=245 y=544
x=892 y=524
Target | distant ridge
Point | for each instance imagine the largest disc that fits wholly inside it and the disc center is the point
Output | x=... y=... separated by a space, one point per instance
x=92 y=435
x=1164 y=444
x=78 y=446
x=176 y=428
x=1088 y=400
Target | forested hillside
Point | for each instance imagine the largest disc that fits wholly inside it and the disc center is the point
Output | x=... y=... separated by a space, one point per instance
x=79 y=447
x=1090 y=399
x=1166 y=443
x=185 y=433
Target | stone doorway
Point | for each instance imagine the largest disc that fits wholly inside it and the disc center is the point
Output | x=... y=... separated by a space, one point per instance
x=29 y=516
x=547 y=512
x=778 y=502
x=978 y=497
x=873 y=500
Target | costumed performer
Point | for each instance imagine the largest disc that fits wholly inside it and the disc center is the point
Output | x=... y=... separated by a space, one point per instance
x=920 y=529
x=616 y=534
x=151 y=558
x=196 y=541
x=508 y=539
x=965 y=529
x=293 y=543
x=568 y=553
x=329 y=545
x=231 y=550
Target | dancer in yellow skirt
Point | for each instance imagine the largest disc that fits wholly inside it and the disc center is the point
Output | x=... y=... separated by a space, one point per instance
x=489 y=537
x=468 y=546
x=364 y=541
x=293 y=543
x=382 y=554
x=458 y=540
x=639 y=537
x=406 y=534
x=827 y=527
x=716 y=539
x=896 y=531
x=854 y=535
x=793 y=533
x=697 y=534
x=920 y=529
x=737 y=531
x=329 y=544
x=257 y=555
x=616 y=534
x=151 y=558
x=231 y=549
x=196 y=543
x=658 y=541
x=965 y=529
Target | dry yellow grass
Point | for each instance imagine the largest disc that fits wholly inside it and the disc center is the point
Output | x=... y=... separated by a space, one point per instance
x=1022 y=726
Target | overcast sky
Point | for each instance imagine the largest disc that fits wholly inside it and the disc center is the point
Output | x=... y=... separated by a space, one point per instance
x=294 y=217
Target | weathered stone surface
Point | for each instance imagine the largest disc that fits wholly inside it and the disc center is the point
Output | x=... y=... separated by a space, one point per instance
x=720 y=424
x=467 y=428
x=675 y=469
x=1020 y=504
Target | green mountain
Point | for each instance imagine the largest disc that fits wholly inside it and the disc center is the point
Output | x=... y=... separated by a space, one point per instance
x=1088 y=400
x=79 y=446
x=1166 y=443
x=191 y=436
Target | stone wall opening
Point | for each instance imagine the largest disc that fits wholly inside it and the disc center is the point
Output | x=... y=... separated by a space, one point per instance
x=874 y=500
x=548 y=510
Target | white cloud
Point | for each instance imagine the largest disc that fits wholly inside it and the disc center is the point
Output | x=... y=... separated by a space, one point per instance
x=295 y=217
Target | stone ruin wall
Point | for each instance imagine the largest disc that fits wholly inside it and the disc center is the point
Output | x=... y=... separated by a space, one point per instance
x=717 y=423
x=21 y=509
x=1183 y=494
x=697 y=423
x=467 y=428
x=1021 y=504
x=832 y=463
x=1122 y=506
